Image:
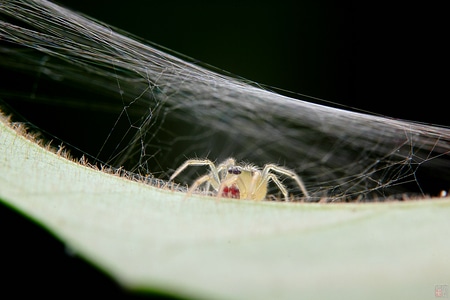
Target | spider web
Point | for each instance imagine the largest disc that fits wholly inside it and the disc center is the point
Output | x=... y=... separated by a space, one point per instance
x=148 y=111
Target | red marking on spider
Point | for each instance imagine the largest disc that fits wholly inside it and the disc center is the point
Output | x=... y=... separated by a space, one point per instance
x=231 y=192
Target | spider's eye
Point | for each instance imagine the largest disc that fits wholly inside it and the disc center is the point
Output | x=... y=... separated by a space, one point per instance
x=235 y=171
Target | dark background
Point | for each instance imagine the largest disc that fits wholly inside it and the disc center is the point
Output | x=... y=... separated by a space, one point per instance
x=379 y=58
x=382 y=58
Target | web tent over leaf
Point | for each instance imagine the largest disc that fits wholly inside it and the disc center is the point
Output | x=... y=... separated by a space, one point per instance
x=163 y=108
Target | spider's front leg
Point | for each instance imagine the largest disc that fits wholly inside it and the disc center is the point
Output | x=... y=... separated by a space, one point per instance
x=215 y=180
x=205 y=178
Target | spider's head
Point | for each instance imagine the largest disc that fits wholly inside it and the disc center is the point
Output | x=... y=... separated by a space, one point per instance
x=234 y=170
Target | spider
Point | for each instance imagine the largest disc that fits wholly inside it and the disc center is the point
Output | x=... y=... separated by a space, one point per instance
x=231 y=180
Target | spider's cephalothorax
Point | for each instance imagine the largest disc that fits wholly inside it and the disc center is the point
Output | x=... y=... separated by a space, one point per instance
x=240 y=181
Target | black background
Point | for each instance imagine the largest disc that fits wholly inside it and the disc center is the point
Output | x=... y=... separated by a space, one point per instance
x=380 y=57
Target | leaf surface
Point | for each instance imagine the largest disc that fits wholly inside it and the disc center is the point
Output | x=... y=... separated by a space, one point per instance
x=149 y=238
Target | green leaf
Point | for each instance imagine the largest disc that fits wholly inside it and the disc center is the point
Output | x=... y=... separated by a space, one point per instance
x=150 y=238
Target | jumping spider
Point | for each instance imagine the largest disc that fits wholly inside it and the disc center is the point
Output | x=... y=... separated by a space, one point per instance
x=231 y=180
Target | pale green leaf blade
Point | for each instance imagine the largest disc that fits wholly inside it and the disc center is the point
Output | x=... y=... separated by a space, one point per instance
x=148 y=238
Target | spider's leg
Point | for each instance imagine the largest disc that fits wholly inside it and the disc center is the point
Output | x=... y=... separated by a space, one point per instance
x=198 y=162
x=282 y=188
x=253 y=188
x=229 y=162
x=208 y=185
x=199 y=182
x=289 y=173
